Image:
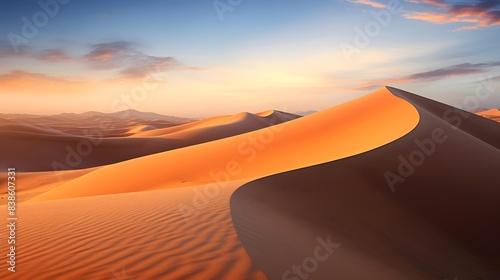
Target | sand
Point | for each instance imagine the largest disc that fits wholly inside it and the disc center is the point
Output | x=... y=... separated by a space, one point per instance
x=342 y=131
x=133 y=211
x=440 y=223
x=49 y=144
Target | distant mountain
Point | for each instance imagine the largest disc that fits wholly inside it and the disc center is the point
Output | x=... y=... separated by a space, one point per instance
x=134 y=114
x=305 y=113
x=477 y=110
x=126 y=114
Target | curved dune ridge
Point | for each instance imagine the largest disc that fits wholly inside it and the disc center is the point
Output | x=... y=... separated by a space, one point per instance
x=222 y=126
x=350 y=219
x=103 y=225
x=342 y=131
x=46 y=149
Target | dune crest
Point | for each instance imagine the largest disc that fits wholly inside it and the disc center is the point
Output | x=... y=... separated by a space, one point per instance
x=339 y=132
x=436 y=222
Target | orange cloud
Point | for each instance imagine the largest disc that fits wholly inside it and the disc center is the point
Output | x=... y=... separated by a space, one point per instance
x=481 y=14
x=369 y=3
x=54 y=55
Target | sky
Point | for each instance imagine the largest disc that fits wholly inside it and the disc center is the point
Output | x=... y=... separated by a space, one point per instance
x=200 y=58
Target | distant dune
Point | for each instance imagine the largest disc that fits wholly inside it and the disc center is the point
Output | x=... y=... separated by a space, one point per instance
x=492 y=114
x=38 y=148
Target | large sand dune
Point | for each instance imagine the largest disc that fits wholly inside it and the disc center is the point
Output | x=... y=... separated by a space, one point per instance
x=440 y=223
x=341 y=131
x=166 y=215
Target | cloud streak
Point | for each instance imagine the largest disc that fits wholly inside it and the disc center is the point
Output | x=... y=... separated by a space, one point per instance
x=464 y=69
x=121 y=56
x=482 y=13
x=370 y=3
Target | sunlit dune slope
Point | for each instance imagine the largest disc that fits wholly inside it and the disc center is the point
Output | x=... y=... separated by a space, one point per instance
x=221 y=126
x=139 y=236
x=31 y=184
x=492 y=114
x=34 y=148
x=425 y=206
x=345 y=130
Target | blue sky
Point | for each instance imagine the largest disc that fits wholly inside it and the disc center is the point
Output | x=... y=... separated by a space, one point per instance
x=186 y=58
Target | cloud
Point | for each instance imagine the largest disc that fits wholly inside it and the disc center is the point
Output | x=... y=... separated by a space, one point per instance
x=6 y=50
x=28 y=76
x=53 y=55
x=482 y=13
x=123 y=56
x=370 y=3
x=464 y=69
x=50 y=55
x=119 y=55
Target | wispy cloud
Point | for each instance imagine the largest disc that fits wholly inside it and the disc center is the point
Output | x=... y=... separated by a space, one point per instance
x=370 y=3
x=28 y=76
x=54 y=55
x=6 y=50
x=476 y=14
x=123 y=56
x=464 y=69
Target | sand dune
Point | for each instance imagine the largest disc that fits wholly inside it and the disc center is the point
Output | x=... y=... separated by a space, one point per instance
x=440 y=223
x=91 y=123
x=335 y=133
x=27 y=128
x=492 y=114
x=166 y=215
x=221 y=126
x=130 y=236
x=151 y=235
x=46 y=149
x=35 y=183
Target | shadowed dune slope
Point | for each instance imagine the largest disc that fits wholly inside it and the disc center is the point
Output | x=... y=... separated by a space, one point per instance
x=335 y=133
x=43 y=149
x=438 y=220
